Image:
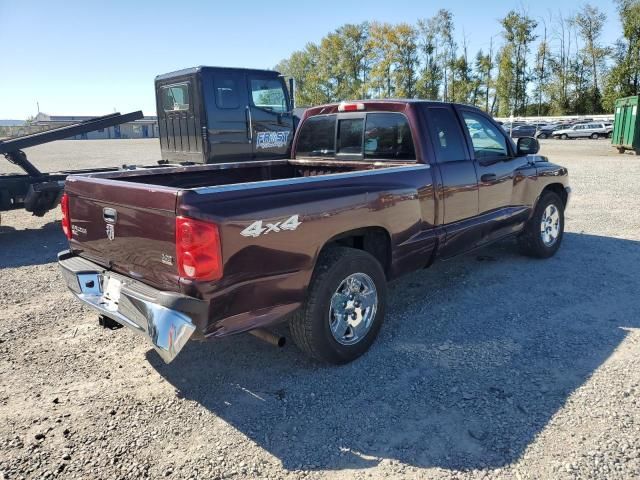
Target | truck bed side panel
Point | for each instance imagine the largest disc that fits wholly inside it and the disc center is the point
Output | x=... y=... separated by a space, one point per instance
x=273 y=269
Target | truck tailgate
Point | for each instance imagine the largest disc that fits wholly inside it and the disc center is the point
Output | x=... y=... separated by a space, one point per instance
x=127 y=227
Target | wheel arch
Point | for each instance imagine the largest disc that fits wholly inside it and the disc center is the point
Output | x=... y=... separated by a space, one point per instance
x=375 y=240
x=557 y=188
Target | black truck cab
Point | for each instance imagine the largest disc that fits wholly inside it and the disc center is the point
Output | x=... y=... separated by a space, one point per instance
x=216 y=114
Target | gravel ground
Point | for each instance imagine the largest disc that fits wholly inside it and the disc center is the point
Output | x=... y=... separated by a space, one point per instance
x=488 y=366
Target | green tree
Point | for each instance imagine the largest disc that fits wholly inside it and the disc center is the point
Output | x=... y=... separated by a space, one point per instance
x=445 y=30
x=484 y=81
x=405 y=59
x=624 y=77
x=541 y=72
x=560 y=67
x=430 y=78
x=463 y=79
x=505 y=80
x=302 y=66
x=589 y=22
x=381 y=56
x=518 y=30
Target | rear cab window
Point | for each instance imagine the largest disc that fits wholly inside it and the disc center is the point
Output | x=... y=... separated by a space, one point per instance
x=357 y=136
x=175 y=97
x=317 y=137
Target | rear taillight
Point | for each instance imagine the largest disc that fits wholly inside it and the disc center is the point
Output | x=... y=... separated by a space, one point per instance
x=198 y=251
x=66 y=218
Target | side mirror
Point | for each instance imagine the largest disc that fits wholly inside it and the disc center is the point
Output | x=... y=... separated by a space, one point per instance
x=527 y=146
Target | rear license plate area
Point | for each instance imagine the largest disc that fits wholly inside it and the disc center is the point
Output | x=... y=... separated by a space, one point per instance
x=111 y=293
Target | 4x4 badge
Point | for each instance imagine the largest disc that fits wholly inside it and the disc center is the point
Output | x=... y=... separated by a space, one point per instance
x=258 y=228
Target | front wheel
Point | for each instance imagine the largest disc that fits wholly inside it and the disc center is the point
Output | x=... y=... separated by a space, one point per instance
x=543 y=232
x=345 y=306
x=542 y=136
x=564 y=136
x=595 y=136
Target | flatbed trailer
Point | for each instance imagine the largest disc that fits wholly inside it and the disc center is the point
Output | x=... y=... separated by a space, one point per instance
x=38 y=192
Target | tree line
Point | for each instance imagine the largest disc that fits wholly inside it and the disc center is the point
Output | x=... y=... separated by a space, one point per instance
x=556 y=65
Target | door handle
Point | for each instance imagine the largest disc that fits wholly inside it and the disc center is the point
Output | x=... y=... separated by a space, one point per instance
x=247 y=114
x=488 y=177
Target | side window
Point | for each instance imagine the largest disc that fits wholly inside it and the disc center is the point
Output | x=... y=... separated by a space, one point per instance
x=446 y=135
x=350 y=136
x=488 y=141
x=388 y=136
x=268 y=94
x=317 y=137
x=226 y=91
x=175 y=97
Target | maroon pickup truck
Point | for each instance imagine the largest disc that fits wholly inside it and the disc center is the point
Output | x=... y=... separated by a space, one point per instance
x=371 y=190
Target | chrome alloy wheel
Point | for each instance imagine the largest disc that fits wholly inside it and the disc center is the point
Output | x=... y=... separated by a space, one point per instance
x=353 y=308
x=550 y=225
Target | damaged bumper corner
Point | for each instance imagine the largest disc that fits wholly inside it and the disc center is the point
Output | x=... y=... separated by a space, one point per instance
x=166 y=319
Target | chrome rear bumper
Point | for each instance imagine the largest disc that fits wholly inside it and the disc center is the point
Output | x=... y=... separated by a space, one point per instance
x=165 y=318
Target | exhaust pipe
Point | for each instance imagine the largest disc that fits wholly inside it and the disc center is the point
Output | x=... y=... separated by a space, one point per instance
x=269 y=337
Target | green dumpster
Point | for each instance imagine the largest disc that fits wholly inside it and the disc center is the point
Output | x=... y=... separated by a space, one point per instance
x=626 y=125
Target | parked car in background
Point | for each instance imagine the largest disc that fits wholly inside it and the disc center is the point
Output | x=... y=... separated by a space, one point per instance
x=508 y=126
x=609 y=127
x=548 y=130
x=523 y=131
x=583 y=130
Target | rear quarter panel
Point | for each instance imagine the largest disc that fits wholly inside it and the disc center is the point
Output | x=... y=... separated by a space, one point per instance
x=274 y=269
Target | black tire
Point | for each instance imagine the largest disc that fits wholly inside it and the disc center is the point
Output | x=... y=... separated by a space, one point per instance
x=621 y=150
x=542 y=136
x=595 y=136
x=564 y=136
x=310 y=325
x=531 y=239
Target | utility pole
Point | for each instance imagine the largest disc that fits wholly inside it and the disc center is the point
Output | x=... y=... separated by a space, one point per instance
x=488 y=81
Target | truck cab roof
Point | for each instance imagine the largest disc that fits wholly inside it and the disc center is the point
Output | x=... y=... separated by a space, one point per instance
x=386 y=104
x=202 y=68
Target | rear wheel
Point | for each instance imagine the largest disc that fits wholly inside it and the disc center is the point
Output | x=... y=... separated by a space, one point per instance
x=345 y=306
x=542 y=136
x=543 y=233
x=595 y=136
